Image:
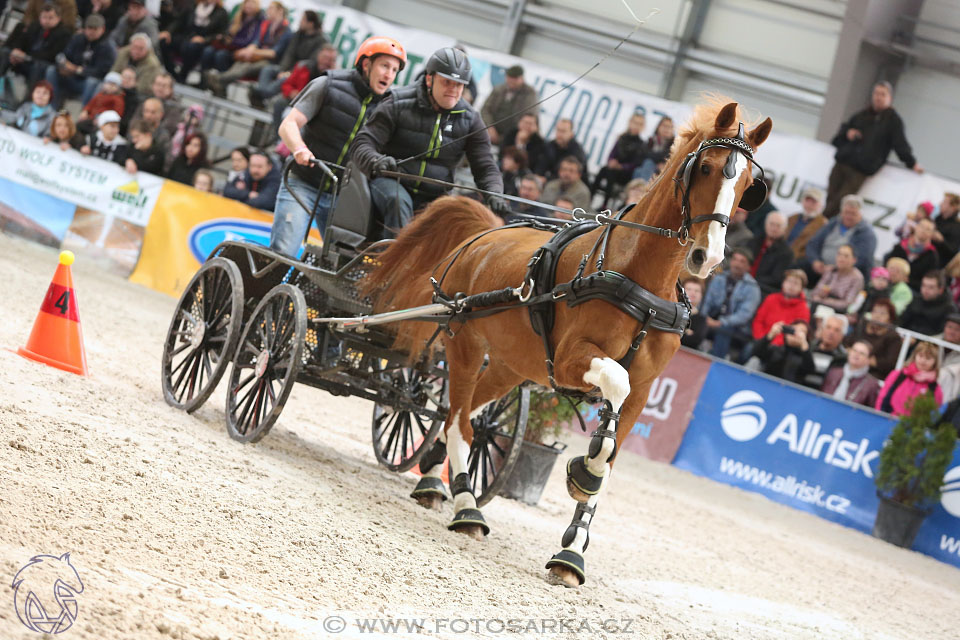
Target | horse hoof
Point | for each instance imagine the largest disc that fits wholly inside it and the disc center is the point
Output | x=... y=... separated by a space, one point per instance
x=475 y=531
x=575 y=493
x=563 y=576
x=431 y=501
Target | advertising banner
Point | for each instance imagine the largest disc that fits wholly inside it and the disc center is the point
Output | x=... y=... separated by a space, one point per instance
x=32 y=214
x=660 y=429
x=94 y=184
x=186 y=226
x=940 y=534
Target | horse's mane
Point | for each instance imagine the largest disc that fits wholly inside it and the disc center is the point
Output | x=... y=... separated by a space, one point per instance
x=701 y=123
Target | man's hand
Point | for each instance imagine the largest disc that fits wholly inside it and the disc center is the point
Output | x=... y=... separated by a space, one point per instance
x=131 y=166
x=283 y=75
x=303 y=156
x=917 y=168
x=197 y=39
x=240 y=184
x=775 y=330
x=384 y=163
x=819 y=266
x=85 y=149
x=252 y=195
x=854 y=134
x=163 y=36
x=498 y=205
x=494 y=136
x=713 y=323
x=937 y=236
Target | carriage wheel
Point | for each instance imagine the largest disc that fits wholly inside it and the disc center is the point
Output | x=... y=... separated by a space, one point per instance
x=497 y=436
x=267 y=363
x=203 y=334
x=401 y=437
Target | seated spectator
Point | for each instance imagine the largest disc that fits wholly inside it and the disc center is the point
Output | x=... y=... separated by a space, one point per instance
x=513 y=166
x=131 y=99
x=529 y=189
x=634 y=191
x=786 y=306
x=840 y=284
x=260 y=184
x=203 y=181
x=107 y=143
x=110 y=98
x=192 y=158
x=919 y=251
x=35 y=115
x=791 y=360
x=949 y=377
x=303 y=72
x=243 y=31
x=145 y=154
x=526 y=137
x=621 y=161
x=847 y=228
x=136 y=20
x=802 y=226
x=84 y=62
x=239 y=162
x=773 y=254
x=946 y=238
x=569 y=185
x=564 y=203
x=302 y=48
x=63 y=132
x=879 y=329
x=153 y=115
x=248 y=62
x=172 y=109
x=110 y=10
x=172 y=13
x=738 y=235
x=189 y=125
x=139 y=55
x=655 y=150
x=924 y=211
x=563 y=145
x=190 y=36
x=30 y=49
x=507 y=103
x=758 y=217
x=731 y=300
x=927 y=313
x=827 y=348
x=852 y=381
x=900 y=292
x=878 y=289
x=697 y=330
x=919 y=376
x=952 y=272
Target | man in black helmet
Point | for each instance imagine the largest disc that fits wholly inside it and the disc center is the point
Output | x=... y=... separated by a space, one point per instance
x=323 y=119
x=431 y=123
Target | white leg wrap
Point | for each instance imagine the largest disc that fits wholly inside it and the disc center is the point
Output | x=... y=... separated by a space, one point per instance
x=458 y=450
x=614 y=383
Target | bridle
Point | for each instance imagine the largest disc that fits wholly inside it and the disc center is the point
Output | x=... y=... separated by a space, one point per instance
x=751 y=199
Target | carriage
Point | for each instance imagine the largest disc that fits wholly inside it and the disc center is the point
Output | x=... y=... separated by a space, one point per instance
x=269 y=321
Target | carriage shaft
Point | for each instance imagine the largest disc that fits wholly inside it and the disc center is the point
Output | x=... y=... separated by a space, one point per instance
x=425 y=312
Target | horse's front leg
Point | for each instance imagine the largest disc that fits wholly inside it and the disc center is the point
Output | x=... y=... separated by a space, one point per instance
x=588 y=475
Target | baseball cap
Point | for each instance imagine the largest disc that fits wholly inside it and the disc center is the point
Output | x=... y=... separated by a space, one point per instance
x=515 y=71
x=142 y=3
x=953 y=317
x=94 y=21
x=812 y=192
x=113 y=77
x=107 y=117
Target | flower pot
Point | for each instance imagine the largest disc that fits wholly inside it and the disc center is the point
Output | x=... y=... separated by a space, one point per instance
x=530 y=473
x=897 y=523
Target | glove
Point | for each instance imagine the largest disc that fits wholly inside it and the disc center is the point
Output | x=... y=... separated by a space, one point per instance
x=384 y=163
x=498 y=205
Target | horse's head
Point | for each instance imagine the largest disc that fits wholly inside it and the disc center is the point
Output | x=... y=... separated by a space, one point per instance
x=714 y=179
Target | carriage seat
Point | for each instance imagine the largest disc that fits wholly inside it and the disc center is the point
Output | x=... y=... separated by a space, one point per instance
x=352 y=220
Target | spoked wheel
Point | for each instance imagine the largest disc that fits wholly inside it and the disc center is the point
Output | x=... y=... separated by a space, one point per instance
x=401 y=436
x=203 y=334
x=267 y=362
x=497 y=436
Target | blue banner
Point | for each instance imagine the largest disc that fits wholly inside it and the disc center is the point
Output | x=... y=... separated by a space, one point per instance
x=804 y=450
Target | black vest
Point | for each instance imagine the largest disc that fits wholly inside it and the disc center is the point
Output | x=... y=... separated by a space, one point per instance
x=418 y=128
x=347 y=104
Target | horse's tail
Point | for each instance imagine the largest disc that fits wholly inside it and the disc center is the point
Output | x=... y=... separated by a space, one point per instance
x=402 y=280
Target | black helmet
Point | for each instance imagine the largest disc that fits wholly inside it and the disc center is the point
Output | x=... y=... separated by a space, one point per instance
x=450 y=63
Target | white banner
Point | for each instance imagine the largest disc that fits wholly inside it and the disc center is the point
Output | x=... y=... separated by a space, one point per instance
x=92 y=183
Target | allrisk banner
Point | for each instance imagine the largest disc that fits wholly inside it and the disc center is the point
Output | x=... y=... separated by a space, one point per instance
x=804 y=450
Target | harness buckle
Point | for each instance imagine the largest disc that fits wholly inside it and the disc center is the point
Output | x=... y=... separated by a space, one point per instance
x=519 y=290
x=683 y=234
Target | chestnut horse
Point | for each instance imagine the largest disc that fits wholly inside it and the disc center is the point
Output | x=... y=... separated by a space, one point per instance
x=588 y=339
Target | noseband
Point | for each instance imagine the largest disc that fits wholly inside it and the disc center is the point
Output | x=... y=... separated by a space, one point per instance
x=752 y=198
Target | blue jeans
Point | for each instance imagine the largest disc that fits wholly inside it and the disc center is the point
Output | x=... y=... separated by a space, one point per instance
x=724 y=336
x=290 y=219
x=646 y=170
x=219 y=59
x=393 y=202
x=72 y=85
x=267 y=83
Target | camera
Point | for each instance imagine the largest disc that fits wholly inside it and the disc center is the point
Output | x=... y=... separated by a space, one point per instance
x=788 y=330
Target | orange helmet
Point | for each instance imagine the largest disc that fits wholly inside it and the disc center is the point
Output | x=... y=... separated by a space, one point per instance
x=377 y=45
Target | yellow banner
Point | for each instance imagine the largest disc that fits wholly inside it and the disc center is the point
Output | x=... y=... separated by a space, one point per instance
x=185 y=227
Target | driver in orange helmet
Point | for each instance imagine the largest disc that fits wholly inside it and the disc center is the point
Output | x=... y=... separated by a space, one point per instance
x=322 y=122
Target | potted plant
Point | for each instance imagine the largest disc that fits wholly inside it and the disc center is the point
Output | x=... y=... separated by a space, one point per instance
x=545 y=422
x=910 y=474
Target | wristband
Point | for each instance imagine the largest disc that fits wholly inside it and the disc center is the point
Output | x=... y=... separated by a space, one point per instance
x=303 y=148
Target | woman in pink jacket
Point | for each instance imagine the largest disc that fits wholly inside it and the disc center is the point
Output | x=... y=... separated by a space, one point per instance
x=918 y=377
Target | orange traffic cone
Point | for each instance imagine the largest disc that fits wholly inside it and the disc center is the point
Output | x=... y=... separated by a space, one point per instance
x=56 y=338
x=445 y=476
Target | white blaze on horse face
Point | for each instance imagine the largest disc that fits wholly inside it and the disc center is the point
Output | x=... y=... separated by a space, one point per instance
x=716 y=232
x=614 y=383
x=458 y=451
